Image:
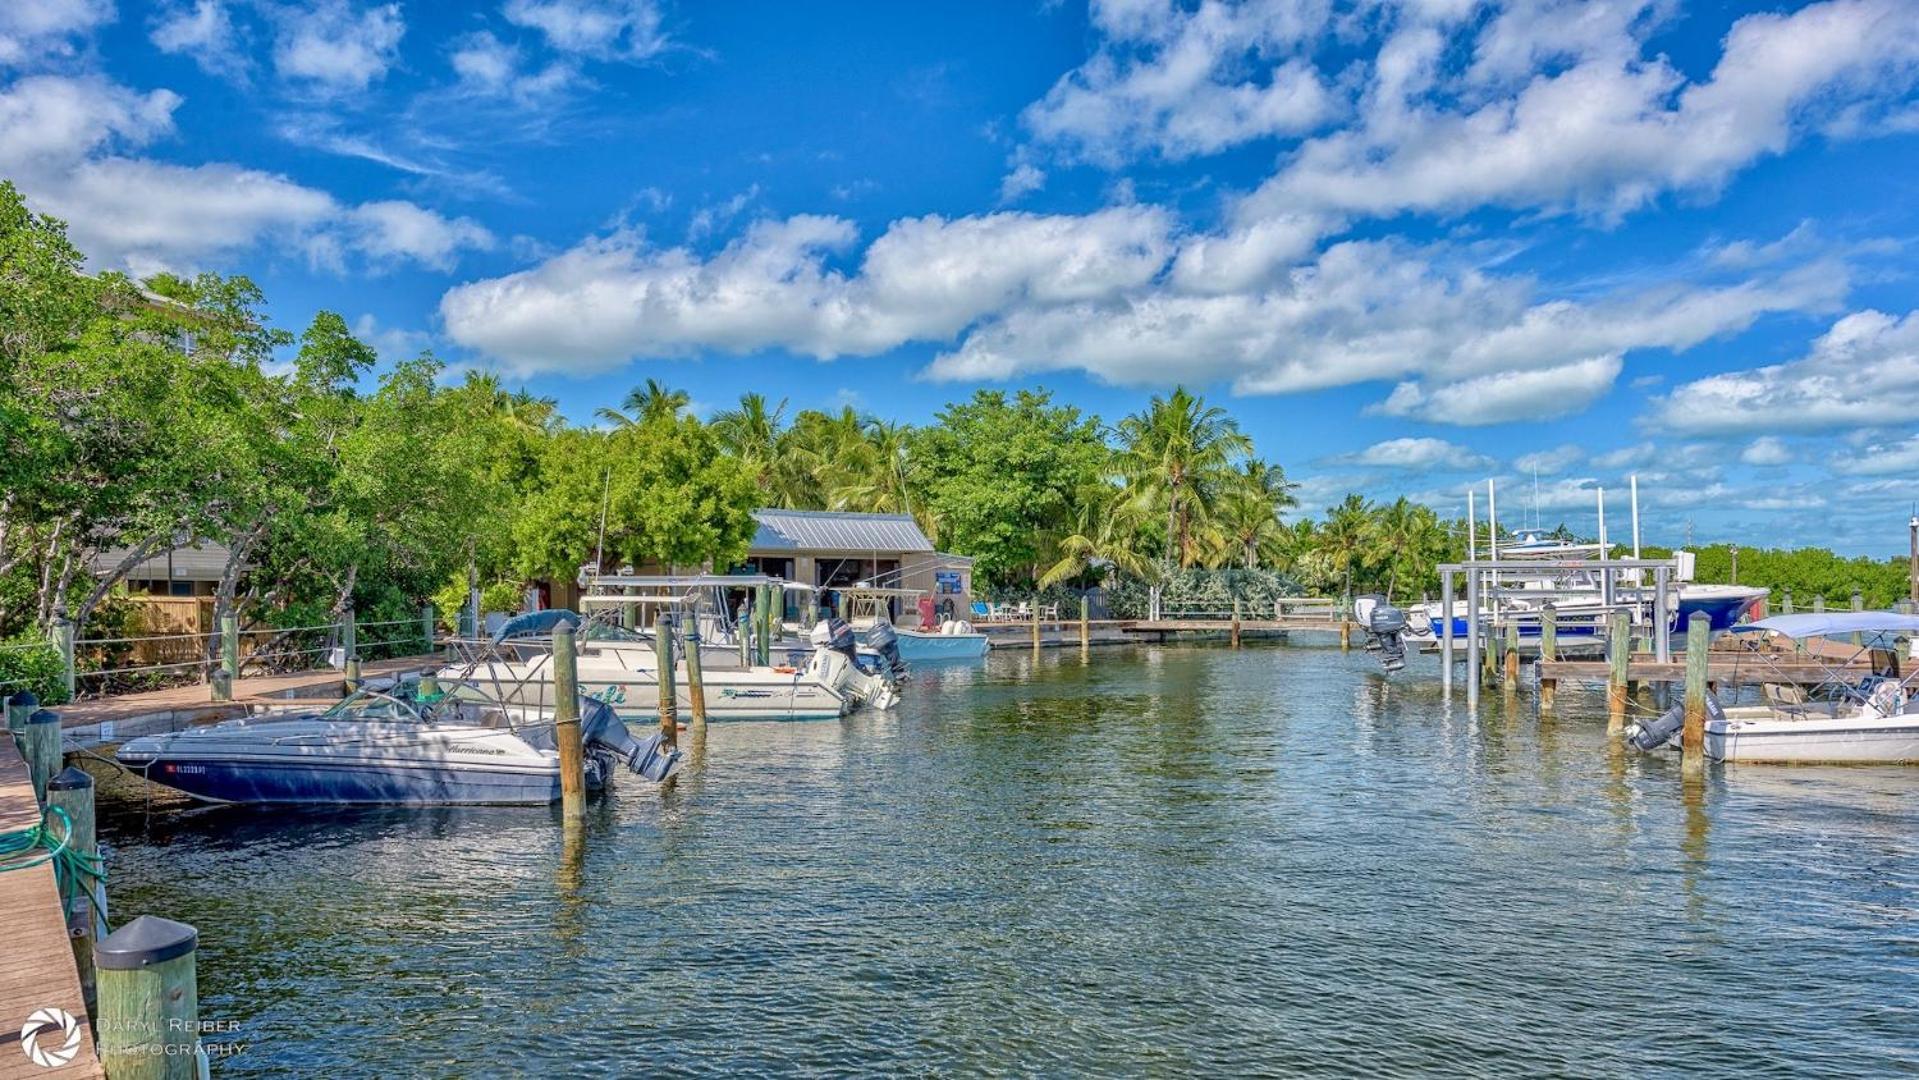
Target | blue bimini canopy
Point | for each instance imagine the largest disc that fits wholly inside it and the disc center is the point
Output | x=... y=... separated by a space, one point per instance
x=536 y=622
x=1832 y=623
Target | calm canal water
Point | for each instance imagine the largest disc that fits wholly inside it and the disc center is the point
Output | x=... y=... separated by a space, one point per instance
x=1167 y=860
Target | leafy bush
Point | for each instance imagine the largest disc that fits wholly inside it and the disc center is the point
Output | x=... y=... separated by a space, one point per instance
x=1202 y=590
x=30 y=662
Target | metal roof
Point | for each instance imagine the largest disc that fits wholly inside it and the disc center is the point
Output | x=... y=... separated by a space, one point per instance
x=833 y=531
x=205 y=561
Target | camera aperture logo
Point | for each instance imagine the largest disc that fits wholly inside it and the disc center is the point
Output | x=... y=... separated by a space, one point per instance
x=50 y=1037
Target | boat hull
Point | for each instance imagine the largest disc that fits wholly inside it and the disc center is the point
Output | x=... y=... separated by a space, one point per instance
x=920 y=647
x=1861 y=740
x=263 y=780
x=1722 y=607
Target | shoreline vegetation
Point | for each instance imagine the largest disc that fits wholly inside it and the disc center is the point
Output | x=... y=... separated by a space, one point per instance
x=142 y=417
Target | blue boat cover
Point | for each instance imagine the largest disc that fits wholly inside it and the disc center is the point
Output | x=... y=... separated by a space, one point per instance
x=536 y=622
x=1826 y=624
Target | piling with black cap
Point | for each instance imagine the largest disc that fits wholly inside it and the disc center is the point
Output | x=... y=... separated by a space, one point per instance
x=19 y=707
x=148 y=1021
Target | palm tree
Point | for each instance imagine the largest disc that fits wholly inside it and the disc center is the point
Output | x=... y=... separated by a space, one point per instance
x=874 y=477
x=653 y=401
x=1247 y=520
x=1176 y=451
x=1106 y=530
x=1348 y=531
x=752 y=434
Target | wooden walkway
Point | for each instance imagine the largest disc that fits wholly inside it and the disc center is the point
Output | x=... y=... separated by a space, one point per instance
x=1246 y=626
x=1728 y=668
x=36 y=966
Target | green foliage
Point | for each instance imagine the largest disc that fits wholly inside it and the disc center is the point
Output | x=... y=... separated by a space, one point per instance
x=1000 y=475
x=1203 y=591
x=1808 y=572
x=30 y=662
x=451 y=600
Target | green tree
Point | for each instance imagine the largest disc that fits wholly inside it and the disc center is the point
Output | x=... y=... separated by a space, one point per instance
x=652 y=401
x=1177 y=451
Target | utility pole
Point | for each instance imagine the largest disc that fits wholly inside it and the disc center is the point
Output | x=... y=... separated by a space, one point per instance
x=1734 y=548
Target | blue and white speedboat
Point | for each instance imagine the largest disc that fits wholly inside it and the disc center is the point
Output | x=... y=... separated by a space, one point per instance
x=953 y=642
x=452 y=746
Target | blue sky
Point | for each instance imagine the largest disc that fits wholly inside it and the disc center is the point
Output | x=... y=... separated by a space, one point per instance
x=1413 y=246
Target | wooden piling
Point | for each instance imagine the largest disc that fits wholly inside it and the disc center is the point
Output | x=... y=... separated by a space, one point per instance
x=1085 y=625
x=1858 y=604
x=1785 y=606
x=85 y=896
x=1036 y=623
x=1619 y=655
x=149 y=1002
x=349 y=634
x=63 y=641
x=20 y=706
x=669 y=690
x=426 y=629
x=566 y=723
x=762 y=625
x=352 y=674
x=1692 y=737
x=1510 y=669
x=695 y=678
x=228 y=672
x=743 y=633
x=1236 y=624
x=1548 y=652
x=40 y=745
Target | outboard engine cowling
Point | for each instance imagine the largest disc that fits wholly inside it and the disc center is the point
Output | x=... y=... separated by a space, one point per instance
x=1663 y=730
x=837 y=635
x=1384 y=626
x=602 y=730
x=884 y=640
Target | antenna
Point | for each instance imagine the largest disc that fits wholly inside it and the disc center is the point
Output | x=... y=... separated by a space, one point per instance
x=599 y=549
x=1538 y=522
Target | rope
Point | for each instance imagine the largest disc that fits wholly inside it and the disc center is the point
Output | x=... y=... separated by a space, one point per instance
x=75 y=871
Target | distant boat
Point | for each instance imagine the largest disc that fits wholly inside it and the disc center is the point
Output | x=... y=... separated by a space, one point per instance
x=444 y=747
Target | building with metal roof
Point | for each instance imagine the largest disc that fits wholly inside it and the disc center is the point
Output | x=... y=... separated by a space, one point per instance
x=832 y=549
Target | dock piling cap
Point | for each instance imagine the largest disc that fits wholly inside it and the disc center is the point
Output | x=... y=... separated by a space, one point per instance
x=145 y=941
x=25 y=699
x=71 y=778
x=44 y=716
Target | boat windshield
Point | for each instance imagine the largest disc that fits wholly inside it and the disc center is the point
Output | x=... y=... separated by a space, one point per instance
x=454 y=703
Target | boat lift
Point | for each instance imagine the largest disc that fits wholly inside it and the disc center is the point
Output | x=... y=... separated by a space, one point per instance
x=1482 y=587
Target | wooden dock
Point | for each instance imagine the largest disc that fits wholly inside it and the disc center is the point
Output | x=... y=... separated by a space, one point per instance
x=1725 y=668
x=1246 y=626
x=36 y=967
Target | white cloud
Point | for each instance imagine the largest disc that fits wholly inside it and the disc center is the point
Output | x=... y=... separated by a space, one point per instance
x=1500 y=398
x=204 y=32
x=1551 y=462
x=924 y=279
x=1419 y=455
x=1862 y=372
x=1767 y=450
x=1637 y=456
x=1885 y=459
x=391 y=342
x=1607 y=134
x=332 y=48
x=1023 y=180
x=38 y=30
x=68 y=142
x=488 y=66
x=1179 y=83
x=602 y=29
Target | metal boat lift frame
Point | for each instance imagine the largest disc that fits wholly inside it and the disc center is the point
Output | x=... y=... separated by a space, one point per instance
x=1477 y=585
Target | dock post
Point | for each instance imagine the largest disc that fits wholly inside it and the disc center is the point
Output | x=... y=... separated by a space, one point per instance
x=20 y=706
x=349 y=634
x=695 y=678
x=1510 y=674
x=1472 y=637
x=1619 y=655
x=1490 y=656
x=149 y=1014
x=743 y=631
x=1085 y=625
x=229 y=672
x=1445 y=629
x=566 y=724
x=669 y=691
x=351 y=676
x=85 y=895
x=1548 y=653
x=426 y=629
x=63 y=641
x=41 y=746
x=1036 y=623
x=1235 y=623
x=1692 y=739
x=1785 y=606
x=775 y=614
x=762 y=625
x=1661 y=621
x=1345 y=623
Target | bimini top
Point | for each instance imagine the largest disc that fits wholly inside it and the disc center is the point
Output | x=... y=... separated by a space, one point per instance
x=536 y=622
x=1826 y=624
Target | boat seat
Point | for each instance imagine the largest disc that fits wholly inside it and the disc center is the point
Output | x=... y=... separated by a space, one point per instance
x=494 y=718
x=1788 y=701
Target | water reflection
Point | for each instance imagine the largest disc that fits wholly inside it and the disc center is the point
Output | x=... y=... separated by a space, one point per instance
x=1168 y=860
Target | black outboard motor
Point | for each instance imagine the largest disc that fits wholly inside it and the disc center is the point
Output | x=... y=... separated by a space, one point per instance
x=836 y=634
x=604 y=733
x=1663 y=730
x=1384 y=624
x=884 y=640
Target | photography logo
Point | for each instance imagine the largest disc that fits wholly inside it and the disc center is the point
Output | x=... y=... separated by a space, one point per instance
x=41 y=1037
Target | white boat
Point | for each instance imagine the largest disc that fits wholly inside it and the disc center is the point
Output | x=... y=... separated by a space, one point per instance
x=868 y=607
x=1849 y=720
x=621 y=668
x=453 y=744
